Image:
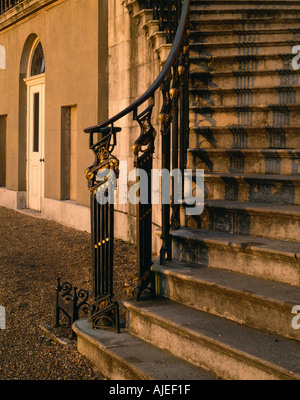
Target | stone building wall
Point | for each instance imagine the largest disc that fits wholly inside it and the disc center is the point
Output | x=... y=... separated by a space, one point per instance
x=133 y=67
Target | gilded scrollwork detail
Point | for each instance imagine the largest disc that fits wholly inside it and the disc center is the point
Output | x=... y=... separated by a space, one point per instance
x=145 y=142
x=102 y=154
x=104 y=161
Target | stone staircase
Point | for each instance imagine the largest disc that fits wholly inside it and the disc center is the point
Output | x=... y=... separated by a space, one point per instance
x=225 y=302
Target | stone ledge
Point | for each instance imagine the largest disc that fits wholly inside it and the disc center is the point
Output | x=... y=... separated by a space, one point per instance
x=12 y=199
x=67 y=213
x=126 y=357
x=230 y=350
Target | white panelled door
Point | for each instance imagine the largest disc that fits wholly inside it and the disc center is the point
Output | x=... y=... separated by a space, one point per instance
x=35 y=140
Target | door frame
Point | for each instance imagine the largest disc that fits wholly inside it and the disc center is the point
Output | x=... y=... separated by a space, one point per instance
x=38 y=80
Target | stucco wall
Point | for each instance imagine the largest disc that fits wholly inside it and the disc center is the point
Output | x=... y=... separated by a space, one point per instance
x=98 y=59
x=71 y=33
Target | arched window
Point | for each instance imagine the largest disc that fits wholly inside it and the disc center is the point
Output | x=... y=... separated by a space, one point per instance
x=38 y=61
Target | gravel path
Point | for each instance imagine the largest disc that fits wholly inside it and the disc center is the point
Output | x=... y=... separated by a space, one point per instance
x=33 y=253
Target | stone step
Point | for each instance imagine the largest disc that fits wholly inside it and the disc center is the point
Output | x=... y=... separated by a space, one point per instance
x=273 y=7
x=245 y=6
x=157 y=39
x=248 y=161
x=226 y=64
x=195 y=4
x=125 y=357
x=137 y=8
x=144 y=17
x=150 y=27
x=222 y=49
x=243 y=97
x=264 y=137
x=272 y=260
x=265 y=79
x=247 y=300
x=245 y=37
x=229 y=349
x=276 y=189
x=241 y=14
x=272 y=115
x=273 y=221
x=243 y=25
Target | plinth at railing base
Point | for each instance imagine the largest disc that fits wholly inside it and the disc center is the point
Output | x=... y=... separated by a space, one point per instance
x=104 y=314
x=145 y=288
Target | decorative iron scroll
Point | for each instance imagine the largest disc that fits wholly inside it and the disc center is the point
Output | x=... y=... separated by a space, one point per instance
x=70 y=301
x=167 y=12
x=101 y=178
x=143 y=150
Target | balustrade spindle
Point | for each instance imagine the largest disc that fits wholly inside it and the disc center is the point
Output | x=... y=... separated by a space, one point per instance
x=6 y=5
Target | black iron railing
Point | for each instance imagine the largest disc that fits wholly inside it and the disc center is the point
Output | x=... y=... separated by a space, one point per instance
x=71 y=302
x=167 y=12
x=173 y=82
x=6 y=5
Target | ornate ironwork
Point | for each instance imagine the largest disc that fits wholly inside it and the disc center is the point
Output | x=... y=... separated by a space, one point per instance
x=104 y=314
x=71 y=302
x=6 y=5
x=102 y=176
x=143 y=150
x=165 y=118
x=173 y=81
x=167 y=12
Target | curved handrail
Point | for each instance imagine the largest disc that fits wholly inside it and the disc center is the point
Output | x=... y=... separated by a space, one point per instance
x=159 y=80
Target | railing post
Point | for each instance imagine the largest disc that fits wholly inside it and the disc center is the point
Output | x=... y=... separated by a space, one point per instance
x=184 y=106
x=161 y=14
x=167 y=12
x=143 y=150
x=174 y=127
x=6 y=5
x=175 y=94
x=102 y=176
x=165 y=118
